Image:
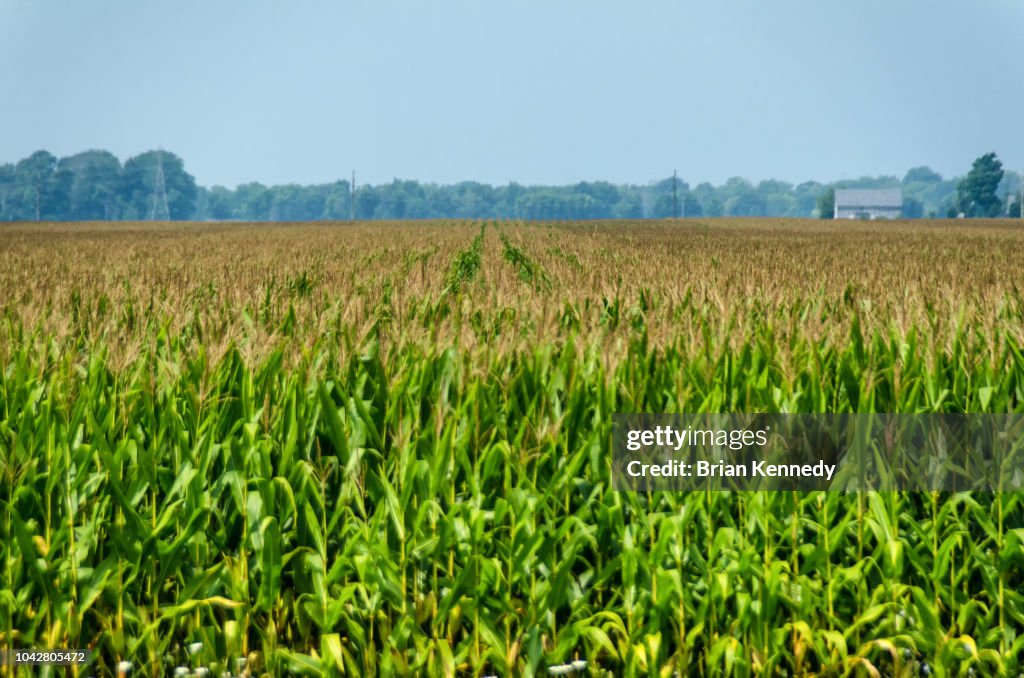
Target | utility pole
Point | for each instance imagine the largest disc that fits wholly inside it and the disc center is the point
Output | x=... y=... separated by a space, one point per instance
x=675 y=210
x=352 y=199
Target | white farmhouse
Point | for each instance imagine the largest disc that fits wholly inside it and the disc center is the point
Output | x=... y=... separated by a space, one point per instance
x=856 y=203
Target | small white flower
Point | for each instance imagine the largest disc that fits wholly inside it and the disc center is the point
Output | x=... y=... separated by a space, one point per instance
x=181 y=672
x=579 y=664
x=124 y=667
x=195 y=648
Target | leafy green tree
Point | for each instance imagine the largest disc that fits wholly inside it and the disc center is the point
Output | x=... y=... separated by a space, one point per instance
x=551 y=204
x=912 y=208
x=773 y=187
x=662 y=207
x=32 y=174
x=607 y=195
x=976 y=193
x=806 y=196
x=827 y=204
x=253 y=201
x=505 y=198
x=657 y=198
x=401 y=200
x=469 y=199
x=220 y=203
x=777 y=196
x=631 y=206
x=736 y=185
x=922 y=175
x=715 y=208
x=42 y=186
x=138 y=185
x=367 y=200
x=337 y=201
x=8 y=187
x=745 y=204
x=292 y=202
x=692 y=206
x=95 y=183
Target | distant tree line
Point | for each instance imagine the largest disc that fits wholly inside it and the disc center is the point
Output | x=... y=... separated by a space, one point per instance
x=96 y=185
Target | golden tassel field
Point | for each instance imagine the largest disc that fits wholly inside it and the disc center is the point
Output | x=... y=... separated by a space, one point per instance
x=384 y=448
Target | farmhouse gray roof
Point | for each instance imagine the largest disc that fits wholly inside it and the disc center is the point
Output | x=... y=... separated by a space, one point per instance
x=875 y=197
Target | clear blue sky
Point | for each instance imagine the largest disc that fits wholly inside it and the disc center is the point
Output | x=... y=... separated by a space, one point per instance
x=534 y=91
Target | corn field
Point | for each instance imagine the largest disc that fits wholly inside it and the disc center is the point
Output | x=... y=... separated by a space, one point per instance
x=354 y=449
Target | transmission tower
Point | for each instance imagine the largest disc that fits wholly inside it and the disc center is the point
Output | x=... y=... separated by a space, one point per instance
x=158 y=208
x=675 y=210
